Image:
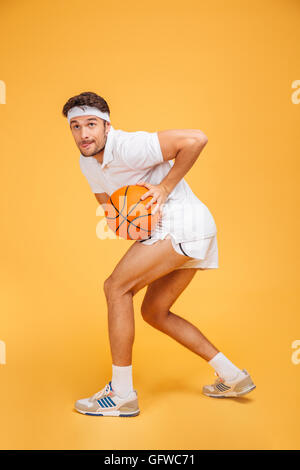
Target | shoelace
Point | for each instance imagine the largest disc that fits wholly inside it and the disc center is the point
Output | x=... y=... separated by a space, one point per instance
x=219 y=379
x=102 y=393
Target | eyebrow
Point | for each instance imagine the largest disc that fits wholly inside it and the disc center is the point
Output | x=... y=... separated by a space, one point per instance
x=89 y=119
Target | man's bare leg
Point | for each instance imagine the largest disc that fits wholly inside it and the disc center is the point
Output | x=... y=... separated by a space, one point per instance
x=140 y=266
x=160 y=296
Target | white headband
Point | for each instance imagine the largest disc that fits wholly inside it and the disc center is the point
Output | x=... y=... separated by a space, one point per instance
x=85 y=111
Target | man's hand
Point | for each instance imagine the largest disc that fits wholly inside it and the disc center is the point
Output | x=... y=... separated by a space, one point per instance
x=159 y=193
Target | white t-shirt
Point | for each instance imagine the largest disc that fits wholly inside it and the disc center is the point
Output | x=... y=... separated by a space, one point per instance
x=131 y=157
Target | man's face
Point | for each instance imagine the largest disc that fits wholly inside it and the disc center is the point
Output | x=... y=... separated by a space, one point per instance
x=90 y=134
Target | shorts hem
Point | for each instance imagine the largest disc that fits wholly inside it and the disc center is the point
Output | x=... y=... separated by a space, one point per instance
x=197 y=267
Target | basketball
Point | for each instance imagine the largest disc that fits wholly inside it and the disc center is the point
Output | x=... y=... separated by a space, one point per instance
x=126 y=214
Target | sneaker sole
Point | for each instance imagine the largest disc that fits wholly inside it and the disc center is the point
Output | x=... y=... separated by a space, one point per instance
x=110 y=413
x=231 y=394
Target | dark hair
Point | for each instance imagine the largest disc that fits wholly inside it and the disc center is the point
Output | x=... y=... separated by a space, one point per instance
x=88 y=98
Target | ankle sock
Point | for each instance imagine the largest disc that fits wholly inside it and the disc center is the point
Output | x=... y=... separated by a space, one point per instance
x=122 y=380
x=224 y=367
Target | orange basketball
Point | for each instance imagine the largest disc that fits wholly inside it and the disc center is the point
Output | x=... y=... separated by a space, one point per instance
x=126 y=214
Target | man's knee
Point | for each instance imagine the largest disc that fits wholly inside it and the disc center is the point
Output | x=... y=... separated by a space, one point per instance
x=110 y=286
x=153 y=313
x=115 y=287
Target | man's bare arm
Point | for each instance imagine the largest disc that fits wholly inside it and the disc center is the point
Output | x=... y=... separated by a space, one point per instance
x=184 y=145
x=172 y=141
x=102 y=198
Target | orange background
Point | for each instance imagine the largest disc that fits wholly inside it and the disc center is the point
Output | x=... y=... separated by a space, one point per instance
x=226 y=68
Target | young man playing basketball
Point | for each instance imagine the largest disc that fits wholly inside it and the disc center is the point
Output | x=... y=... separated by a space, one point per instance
x=166 y=262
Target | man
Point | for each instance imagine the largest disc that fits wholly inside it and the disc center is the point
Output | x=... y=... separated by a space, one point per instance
x=166 y=261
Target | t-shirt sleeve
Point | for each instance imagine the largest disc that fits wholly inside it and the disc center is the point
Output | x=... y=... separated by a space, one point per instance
x=141 y=150
x=95 y=186
x=93 y=181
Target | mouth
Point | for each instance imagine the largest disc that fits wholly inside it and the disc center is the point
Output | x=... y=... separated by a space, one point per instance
x=86 y=144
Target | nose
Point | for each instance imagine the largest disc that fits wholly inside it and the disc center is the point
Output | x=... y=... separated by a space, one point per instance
x=84 y=133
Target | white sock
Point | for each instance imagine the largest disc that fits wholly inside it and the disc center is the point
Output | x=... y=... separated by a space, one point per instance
x=122 y=380
x=224 y=367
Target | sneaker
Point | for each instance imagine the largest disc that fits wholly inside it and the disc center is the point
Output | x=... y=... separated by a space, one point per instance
x=108 y=403
x=221 y=388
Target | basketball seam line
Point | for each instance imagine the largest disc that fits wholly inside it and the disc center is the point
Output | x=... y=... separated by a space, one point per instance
x=125 y=218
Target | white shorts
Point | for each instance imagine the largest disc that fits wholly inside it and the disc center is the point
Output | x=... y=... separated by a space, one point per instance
x=203 y=251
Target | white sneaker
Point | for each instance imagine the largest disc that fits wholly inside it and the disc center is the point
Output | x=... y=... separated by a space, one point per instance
x=108 y=403
x=241 y=385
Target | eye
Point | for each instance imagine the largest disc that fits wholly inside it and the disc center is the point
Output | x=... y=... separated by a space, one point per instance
x=91 y=123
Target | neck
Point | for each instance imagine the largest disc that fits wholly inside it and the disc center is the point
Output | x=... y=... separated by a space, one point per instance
x=99 y=156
